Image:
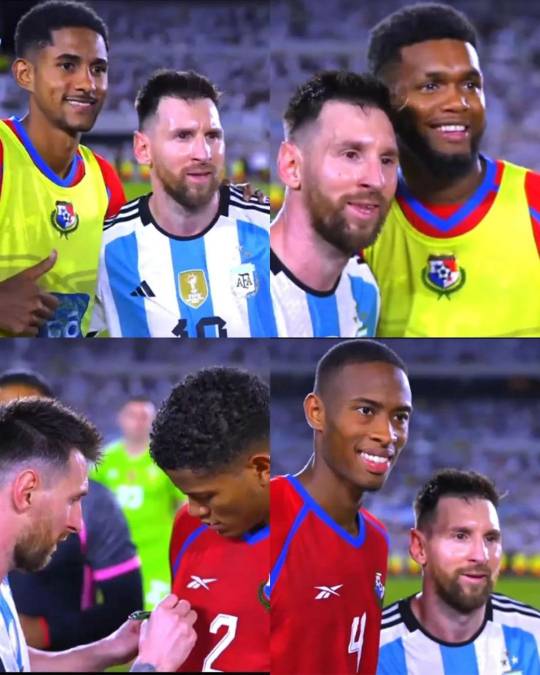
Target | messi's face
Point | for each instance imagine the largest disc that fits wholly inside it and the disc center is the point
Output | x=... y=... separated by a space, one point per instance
x=232 y=502
x=461 y=553
x=186 y=150
x=440 y=106
x=349 y=174
x=361 y=420
x=68 y=79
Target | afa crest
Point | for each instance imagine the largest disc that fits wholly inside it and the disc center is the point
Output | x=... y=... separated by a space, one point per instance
x=193 y=287
x=64 y=219
x=443 y=275
x=244 y=281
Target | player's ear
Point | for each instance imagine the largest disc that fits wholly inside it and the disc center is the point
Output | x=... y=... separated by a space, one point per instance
x=289 y=165
x=141 y=148
x=23 y=489
x=23 y=73
x=261 y=463
x=314 y=411
x=417 y=546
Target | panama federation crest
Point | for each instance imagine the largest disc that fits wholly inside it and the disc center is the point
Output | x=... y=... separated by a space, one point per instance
x=443 y=275
x=64 y=219
x=193 y=287
x=263 y=593
x=379 y=588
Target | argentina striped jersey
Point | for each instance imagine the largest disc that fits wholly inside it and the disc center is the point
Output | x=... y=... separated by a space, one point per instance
x=350 y=309
x=214 y=284
x=13 y=650
x=508 y=642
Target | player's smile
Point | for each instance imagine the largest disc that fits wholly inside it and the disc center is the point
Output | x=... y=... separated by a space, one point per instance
x=375 y=462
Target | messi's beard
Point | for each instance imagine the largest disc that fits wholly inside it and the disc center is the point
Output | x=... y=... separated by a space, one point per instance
x=445 y=166
x=452 y=593
x=192 y=198
x=35 y=548
x=329 y=221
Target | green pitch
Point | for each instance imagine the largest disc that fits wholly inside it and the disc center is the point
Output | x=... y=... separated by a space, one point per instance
x=524 y=589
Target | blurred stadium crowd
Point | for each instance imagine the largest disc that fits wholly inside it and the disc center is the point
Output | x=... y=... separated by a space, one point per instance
x=476 y=406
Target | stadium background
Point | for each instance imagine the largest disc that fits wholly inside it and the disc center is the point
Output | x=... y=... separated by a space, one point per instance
x=313 y=35
x=226 y=40
x=476 y=406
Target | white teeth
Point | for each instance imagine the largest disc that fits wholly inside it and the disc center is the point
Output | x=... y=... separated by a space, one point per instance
x=374 y=458
x=452 y=127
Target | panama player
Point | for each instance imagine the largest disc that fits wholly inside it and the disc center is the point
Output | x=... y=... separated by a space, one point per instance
x=459 y=252
x=54 y=192
x=328 y=554
x=211 y=437
x=456 y=624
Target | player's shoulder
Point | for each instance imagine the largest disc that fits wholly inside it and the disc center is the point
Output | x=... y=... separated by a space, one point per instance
x=124 y=222
x=247 y=210
x=508 y=611
x=376 y=525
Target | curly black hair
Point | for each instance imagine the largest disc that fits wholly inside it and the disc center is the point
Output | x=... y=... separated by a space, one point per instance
x=334 y=85
x=451 y=483
x=35 y=27
x=210 y=419
x=413 y=24
x=29 y=378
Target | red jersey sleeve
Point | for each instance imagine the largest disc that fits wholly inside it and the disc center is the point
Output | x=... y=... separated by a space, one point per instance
x=115 y=189
x=532 y=190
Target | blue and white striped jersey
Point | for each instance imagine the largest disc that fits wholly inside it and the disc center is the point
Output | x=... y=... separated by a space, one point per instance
x=13 y=650
x=214 y=284
x=508 y=642
x=350 y=309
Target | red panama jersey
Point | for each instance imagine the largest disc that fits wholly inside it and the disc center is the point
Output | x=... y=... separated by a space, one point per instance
x=224 y=580
x=326 y=586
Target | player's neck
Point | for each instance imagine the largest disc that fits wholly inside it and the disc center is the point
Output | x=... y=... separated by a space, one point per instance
x=311 y=259
x=136 y=447
x=432 y=189
x=55 y=146
x=339 y=499
x=175 y=219
x=7 y=543
x=444 y=622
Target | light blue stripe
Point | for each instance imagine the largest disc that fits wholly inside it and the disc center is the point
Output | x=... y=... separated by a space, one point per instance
x=366 y=298
x=255 y=248
x=392 y=659
x=185 y=545
x=275 y=572
x=257 y=536
x=122 y=264
x=190 y=254
x=9 y=619
x=324 y=315
x=520 y=644
x=459 y=660
x=446 y=224
x=534 y=213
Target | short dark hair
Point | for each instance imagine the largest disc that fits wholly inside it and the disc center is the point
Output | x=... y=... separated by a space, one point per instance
x=210 y=420
x=354 y=351
x=34 y=28
x=29 y=378
x=184 y=84
x=45 y=430
x=334 y=85
x=412 y=24
x=466 y=485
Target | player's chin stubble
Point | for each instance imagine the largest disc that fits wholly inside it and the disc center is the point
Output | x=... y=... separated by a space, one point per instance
x=34 y=550
x=453 y=594
x=189 y=197
x=328 y=220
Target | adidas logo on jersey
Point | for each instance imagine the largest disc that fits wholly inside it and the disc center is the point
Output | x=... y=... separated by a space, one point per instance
x=327 y=591
x=197 y=582
x=144 y=291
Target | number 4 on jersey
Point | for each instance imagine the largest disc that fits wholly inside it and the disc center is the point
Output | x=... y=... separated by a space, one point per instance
x=355 y=644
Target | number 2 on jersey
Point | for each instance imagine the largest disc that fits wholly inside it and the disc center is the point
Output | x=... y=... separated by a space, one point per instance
x=221 y=620
x=355 y=644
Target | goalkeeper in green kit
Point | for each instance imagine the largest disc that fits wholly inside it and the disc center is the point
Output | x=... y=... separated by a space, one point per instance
x=148 y=499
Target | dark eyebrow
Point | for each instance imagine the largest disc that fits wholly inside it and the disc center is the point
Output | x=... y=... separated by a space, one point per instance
x=76 y=59
x=440 y=75
x=358 y=145
x=376 y=404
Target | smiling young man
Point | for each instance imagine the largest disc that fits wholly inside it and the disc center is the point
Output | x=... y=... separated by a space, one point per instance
x=439 y=262
x=54 y=193
x=328 y=554
x=456 y=624
x=190 y=259
x=44 y=453
x=211 y=437
x=339 y=166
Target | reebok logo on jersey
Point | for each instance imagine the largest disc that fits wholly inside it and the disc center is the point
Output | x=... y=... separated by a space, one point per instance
x=143 y=291
x=327 y=591
x=197 y=582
